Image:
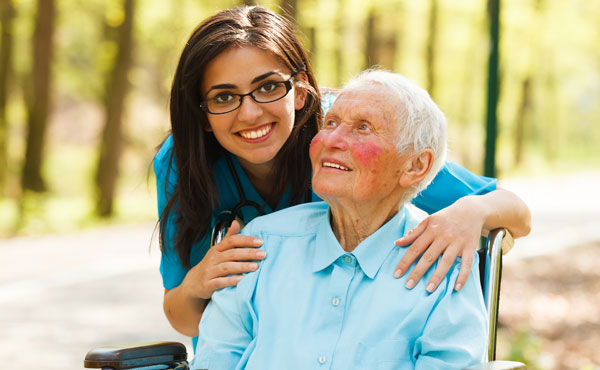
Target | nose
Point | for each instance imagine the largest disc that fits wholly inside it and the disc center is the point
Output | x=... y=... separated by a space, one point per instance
x=250 y=110
x=337 y=137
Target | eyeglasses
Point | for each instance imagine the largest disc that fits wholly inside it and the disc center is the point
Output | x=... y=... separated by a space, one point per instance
x=266 y=93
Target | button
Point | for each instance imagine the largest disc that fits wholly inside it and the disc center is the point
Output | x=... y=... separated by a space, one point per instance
x=322 y=359
x=335 y=301
x=347 y=259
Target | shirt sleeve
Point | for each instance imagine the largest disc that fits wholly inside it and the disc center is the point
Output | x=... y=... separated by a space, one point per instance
x=451 y=183
x=227 y=328
x=455 y=334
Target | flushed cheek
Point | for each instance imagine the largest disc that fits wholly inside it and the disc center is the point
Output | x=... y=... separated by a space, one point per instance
x=315 y=145
x=367 y=154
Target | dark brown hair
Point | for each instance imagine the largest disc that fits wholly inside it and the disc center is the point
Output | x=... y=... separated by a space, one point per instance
x=196 y=150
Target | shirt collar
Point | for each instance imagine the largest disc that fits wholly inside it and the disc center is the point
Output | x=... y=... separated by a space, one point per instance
x=370 y=253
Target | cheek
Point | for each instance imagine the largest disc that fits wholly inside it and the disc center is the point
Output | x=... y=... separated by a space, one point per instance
x=367 y=154
x=315 y=145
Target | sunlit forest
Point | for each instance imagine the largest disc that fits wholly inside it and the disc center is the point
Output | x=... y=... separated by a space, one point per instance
x=84 y=88
x=85 y=84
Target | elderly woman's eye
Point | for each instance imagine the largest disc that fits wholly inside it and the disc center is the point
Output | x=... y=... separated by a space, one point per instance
x=329 y=123
x=363 y=127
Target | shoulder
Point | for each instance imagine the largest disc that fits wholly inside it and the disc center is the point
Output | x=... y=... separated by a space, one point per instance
x=165 y=158
x=293 y=221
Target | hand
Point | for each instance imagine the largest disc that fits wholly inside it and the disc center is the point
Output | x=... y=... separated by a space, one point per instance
x=452 y=232
x=223 y=264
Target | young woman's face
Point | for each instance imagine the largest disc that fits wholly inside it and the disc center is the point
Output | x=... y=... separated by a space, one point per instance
x=255 y=132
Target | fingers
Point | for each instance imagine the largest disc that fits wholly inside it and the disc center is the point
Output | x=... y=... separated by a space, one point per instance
x=223 y=282
x=427 y=259
x=465 y=269
x=442 y=268
x=412 y=253
x=233 y=229
x=236 y=241
x=413 y=234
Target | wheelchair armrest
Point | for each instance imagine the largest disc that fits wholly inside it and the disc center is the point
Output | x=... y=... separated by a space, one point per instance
x=499 y=365
x=132 y=355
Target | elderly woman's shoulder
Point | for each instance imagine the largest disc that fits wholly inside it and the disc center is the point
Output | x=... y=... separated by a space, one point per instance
x=296 y=220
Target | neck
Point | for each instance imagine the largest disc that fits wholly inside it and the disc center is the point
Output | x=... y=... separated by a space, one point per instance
x=261 y=176
x=352 y=223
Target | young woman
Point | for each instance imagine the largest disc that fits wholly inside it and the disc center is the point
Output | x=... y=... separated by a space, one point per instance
x=244 y=108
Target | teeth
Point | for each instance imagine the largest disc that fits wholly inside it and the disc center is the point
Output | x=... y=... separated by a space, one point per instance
x=256 y=134
x=335 y=165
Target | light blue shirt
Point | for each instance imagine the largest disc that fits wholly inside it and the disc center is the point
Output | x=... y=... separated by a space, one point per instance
x=311 y=305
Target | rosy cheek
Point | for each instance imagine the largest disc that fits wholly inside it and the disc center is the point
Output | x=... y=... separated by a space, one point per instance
x=315 y=145
x=366 y=154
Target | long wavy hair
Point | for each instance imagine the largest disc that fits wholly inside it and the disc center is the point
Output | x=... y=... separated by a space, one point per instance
x=196 y=150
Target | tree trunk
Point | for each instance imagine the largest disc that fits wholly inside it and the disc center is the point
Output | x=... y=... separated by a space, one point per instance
x=521 y=120
x=338 y=53
x=7 y=15
x=371 y=41
x=38 y=104
x=117 y=86
x=431 y=45
x=249 y=2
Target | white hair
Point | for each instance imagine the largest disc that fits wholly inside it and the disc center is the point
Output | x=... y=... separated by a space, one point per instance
x=421 y=123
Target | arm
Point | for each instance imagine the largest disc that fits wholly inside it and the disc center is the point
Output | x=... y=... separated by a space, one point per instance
x=464 y=206
x=187 y=290
x=455 y=334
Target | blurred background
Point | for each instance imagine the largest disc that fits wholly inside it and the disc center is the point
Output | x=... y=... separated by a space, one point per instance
x=84 y=88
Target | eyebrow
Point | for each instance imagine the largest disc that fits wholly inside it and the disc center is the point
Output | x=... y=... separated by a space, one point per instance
x=232 y=86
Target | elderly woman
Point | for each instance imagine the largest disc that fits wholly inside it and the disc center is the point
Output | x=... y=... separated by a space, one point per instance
x=342 y=308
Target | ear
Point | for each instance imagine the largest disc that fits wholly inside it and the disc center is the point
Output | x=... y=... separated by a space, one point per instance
x=417 y=169
x=300 y=92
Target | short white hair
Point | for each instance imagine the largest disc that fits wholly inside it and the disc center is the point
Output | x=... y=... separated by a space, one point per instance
x=421 y=123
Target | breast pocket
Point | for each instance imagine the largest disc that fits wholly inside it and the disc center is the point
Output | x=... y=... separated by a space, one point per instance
x=386 y=355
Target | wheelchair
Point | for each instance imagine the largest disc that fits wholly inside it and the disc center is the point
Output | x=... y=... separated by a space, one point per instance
x=173 y=355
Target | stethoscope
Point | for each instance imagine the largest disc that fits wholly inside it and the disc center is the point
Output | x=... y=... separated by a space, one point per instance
x=221 y=227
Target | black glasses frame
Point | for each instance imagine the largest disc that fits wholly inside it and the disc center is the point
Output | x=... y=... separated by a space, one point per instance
x=287 y=83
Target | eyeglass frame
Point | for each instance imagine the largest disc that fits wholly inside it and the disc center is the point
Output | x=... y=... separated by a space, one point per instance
x=287 y=83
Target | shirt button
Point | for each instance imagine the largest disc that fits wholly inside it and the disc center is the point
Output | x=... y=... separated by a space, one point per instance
x=335 y=301
x=347 y=259
x=322 y=359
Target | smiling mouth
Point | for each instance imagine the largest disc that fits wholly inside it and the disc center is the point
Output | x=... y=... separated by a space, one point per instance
x=335 y=165
x=256 y=133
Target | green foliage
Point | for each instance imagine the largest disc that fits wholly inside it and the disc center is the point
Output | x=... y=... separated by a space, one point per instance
x=554 y=43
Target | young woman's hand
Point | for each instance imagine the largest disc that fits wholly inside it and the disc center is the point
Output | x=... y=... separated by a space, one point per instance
x=455 y=231
x=452 y=232
x=224 y=264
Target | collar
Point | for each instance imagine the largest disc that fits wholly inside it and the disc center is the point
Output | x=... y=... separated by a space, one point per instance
x=370 y=253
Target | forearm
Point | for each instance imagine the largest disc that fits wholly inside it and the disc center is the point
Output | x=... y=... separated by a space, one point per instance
x=501 y=208
x=183 y=311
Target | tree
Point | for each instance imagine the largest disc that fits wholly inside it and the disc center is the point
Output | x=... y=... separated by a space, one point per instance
x=117 y=86
x=7 y=14
x=431 y=45
x=38 y=98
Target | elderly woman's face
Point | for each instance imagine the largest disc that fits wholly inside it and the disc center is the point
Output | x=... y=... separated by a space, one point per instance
x=354 y=155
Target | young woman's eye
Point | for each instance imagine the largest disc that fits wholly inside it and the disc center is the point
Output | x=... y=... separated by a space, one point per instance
x=268 y=87
x=223 y=98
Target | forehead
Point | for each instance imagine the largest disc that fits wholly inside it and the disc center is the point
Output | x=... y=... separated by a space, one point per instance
x=373 y=103
x=241 y=64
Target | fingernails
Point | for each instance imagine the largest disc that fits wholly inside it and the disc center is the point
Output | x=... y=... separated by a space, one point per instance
x=430 y=287
x=410 y=284
x=258 y=241
x=253 y=266
x=261 y=254
x=457 y=286
x=397 y=273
